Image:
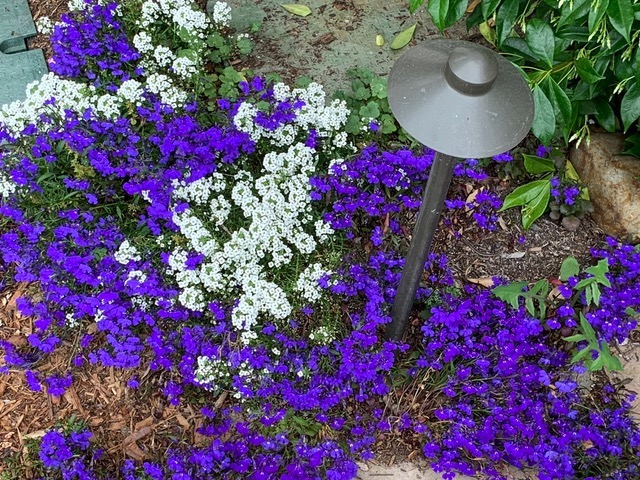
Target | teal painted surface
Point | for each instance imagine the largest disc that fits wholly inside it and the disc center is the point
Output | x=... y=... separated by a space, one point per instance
x=18 y=66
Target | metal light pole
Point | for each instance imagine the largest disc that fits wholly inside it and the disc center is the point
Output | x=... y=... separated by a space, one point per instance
x=464 y=101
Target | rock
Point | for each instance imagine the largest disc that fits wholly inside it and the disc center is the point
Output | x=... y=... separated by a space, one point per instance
x=614 y=184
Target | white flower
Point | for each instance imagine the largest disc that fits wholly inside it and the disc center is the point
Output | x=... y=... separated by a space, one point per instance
x=7 y=186
x=131 y=91
x=307 y=283
x=221 y=14
x=45 y=25
x=126 y=252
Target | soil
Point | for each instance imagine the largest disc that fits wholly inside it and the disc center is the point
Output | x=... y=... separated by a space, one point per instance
x=339 y=35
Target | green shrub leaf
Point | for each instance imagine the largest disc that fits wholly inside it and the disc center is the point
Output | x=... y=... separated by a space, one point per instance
x=604 y=114
x=489 y=7
x=534 y=209
x=585 y=70
x=506 y=17
x=544 y=120
x=297 y=9
x=524 y=194
x=559 y=100
x=414 y=5
x=403 y=37
x=537 y=165
x=540 y=40
x=621 y=16
x=630 y=106
x=596 y=13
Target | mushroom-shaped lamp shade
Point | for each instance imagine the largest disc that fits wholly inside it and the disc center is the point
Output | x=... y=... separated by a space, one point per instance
x=460 y=98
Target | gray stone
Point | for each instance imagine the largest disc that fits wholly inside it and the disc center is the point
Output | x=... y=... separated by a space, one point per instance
x=18 y=66
x=613 y=181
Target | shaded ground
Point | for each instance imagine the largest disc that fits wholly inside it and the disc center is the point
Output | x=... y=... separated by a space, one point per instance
x=339 y=35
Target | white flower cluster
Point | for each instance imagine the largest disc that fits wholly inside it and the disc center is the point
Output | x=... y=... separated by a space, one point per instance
x=307 y=283
x=221 y=14
x=191 y=25
x=322 y=335
x=276 y=208
x=126 y=252
x=212 y=373
x=7 y=186
x=45 y=25
x=327 y=120
x=68 y=95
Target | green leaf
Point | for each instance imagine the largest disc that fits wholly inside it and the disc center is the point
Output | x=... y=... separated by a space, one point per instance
x=569 y=268
x=506 y=17
x=370 y=110
x=455 y=12
x=632 y=145
x=630 y=106
x=597 y=364
x=586 y=72
x=510 y=293
x=544 y=120
x=534 y=209
x=379 y=88
x=595 y=293
x=297 y=9
x=573 y=12
x=403 y=37
x=438 y=9
x=599 y=272
x=587 y=329
x=559 y=100
x=575 y=338
x=605 y=115
x=537 y=165
x=580 y=354
x=596 y=14
x=620 y=14
x=613 y=363
x=540 y=40
x=524 y=194
x=489 y=7
x=414 y=5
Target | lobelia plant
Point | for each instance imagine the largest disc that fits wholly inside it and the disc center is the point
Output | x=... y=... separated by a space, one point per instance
x=580 y=56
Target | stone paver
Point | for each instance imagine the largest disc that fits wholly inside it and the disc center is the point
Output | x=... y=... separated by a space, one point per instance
x=18 y=66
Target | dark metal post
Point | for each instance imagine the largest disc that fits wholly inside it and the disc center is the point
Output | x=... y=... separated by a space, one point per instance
x=433 y=199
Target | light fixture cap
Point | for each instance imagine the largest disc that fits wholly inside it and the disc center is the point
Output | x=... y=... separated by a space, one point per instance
x=460 y=98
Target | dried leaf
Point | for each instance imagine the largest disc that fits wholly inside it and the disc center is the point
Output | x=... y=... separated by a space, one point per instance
x=472 y=6
x=403 y=37
x=484 y=281
x=513 y=255
x=297 y=9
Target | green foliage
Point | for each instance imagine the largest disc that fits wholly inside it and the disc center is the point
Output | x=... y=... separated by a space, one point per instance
x=514 y=292
x=535 y=197
x=368 y=102
x=604 y=357
x=581 y=58
x=594 y=352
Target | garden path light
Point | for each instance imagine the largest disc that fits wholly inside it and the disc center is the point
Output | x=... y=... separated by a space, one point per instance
x=464 y=101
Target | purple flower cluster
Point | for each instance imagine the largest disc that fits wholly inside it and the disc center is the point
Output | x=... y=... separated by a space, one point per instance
x=92 y=44
x=376 y=184
x=68 y=455
x=509 y=396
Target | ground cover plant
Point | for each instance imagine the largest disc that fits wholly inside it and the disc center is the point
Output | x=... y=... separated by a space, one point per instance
x=244 y=239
